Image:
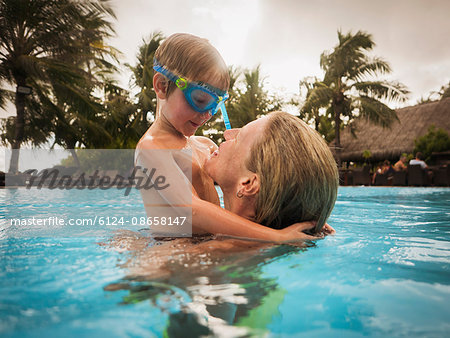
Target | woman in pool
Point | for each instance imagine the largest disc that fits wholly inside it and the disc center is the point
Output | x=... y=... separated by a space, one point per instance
x=190 y=83
x=274 y=171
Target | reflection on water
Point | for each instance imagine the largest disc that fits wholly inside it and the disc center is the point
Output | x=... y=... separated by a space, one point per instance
x=385 y=273
x=408 y=250
x=206 y=286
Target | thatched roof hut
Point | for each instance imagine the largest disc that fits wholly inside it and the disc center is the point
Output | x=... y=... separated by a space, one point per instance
x=390 y=143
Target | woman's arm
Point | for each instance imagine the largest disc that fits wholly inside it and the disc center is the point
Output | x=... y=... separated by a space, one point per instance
x=207 y=217
x=210 y=218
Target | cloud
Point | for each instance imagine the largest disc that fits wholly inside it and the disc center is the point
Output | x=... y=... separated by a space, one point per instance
x=411 y=35
x=287 y=36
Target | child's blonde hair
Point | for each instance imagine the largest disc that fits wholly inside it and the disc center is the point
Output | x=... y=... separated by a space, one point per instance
x=194 y=58
x=299 y=176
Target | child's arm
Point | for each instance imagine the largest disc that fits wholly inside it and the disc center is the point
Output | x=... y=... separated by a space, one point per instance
x=206 y=217
x=210 y=218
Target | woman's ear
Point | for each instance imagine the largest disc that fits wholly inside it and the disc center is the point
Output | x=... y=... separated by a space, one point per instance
x=249 y=185
x=160 y=84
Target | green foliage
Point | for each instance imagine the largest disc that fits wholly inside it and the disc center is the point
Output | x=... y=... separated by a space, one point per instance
x=326 y=127
x=310 y=111
x=252 y=100
x=143 y=75
x=443 y=93
x=248 y=101
x=435 y=140
x=55 y=47
x=37 y=129
x=348 y=89
x=122 y=120
x=90 y=160
x=366 y=154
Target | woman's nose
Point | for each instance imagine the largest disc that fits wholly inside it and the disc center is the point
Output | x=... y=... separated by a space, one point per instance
x=230 y=134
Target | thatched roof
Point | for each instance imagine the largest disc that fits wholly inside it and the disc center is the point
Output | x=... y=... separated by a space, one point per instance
x=391 y=143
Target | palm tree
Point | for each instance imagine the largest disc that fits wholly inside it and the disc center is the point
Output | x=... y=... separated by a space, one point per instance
x=215 y=127
x=48 y=45
x=252 y=100
x=349 y=87
x=445 y=91
x=310 y=111
x=248 y=100
x=142 y=77
x=122 y=119
x=79 y=116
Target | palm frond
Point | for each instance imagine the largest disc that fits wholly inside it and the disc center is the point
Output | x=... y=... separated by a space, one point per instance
x=319 y=96
x=372 y=67
x=5 y=96
x=381 y=90
x=375 y=111
x=57 y=47
x=31 y=66
x=348 y=55
x=352 y=42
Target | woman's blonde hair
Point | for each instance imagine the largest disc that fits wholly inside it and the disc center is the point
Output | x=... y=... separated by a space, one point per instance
x=194 y=58
x=298 y=174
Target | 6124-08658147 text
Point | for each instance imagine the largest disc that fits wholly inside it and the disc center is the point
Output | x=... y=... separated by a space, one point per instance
x=100 y=221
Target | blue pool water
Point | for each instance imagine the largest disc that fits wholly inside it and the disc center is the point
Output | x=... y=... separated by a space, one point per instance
x=385 y=273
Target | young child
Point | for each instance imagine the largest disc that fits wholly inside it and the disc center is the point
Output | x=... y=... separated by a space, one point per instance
x=191 y=82
x=183 y=105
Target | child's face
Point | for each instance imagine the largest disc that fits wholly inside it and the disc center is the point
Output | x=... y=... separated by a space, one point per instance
x=181 y=115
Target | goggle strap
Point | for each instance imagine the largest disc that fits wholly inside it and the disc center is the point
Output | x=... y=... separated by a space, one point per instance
x=226 y=120
x=160 y=69
x=183 y=83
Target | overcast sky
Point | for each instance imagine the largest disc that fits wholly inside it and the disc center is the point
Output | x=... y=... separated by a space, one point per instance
x=286 y=37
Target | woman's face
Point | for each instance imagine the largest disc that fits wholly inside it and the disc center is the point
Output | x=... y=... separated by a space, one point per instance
x=227 y=164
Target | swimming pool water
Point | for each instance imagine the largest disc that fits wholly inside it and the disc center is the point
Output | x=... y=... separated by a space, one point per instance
x=385 y=273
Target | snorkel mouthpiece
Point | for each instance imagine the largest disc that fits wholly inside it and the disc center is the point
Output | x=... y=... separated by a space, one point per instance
x=226 y=120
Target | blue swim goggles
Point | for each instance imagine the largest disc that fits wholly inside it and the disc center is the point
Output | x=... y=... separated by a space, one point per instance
x=202 y=97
